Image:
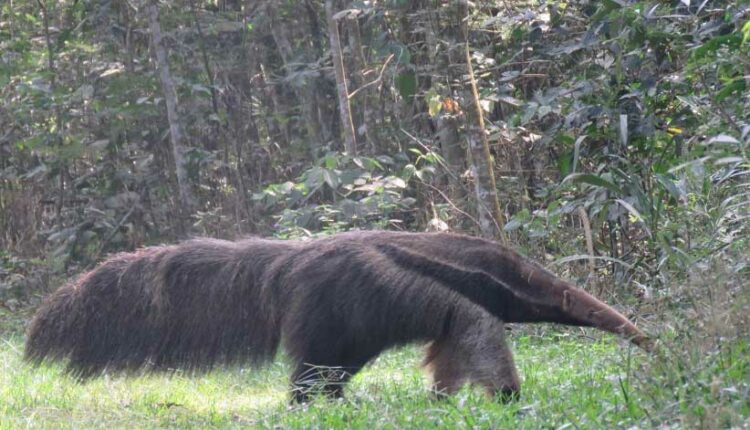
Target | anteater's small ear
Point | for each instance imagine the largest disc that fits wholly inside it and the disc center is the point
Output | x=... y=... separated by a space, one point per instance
x=649 y=345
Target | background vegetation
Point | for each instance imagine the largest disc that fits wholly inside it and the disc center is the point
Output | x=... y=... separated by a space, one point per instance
x=608 y=139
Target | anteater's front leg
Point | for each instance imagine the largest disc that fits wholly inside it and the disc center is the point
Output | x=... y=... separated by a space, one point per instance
x=309 y=379
x=323 y=361
x=474 y=350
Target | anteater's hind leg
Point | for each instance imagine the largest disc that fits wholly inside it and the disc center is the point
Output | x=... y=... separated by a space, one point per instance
x=474 y=350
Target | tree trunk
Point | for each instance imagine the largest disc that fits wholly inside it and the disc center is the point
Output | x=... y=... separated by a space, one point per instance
x=447 y=121
x=489 y=212
x=347 y=124
x=216 y=123
x=321 y=84
x=58 y=134
x=306 y=93
x=356 y=69
x=170 y=97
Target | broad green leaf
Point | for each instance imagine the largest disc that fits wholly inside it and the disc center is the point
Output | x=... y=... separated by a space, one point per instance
x=406 y=83
x=723 y=138
x=669 y=185
x=736 y=86
x=594 y=180
x=397 y=182
x=731 y=40
x=330 y=178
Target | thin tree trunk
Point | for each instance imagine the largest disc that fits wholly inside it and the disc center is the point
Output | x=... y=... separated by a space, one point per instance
x=170 y=97
x=209 y=76
x=319 y=83
x=125 y=11
x=237 y=125
x=365 y=116
x=347 y=124
x=490 y=215
x=355 y=64
x=306 y=94
x=58 y=113
x=278 y=131
x=447 y=121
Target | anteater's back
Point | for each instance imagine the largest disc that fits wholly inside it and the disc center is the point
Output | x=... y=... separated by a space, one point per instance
x=189 y=306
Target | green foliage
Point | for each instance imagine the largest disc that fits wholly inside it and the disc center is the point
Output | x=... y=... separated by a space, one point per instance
x=606 y=106
x=651 y=113
x=343 y=192
x=406 y=83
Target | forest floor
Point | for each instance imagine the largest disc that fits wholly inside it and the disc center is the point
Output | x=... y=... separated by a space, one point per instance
x=571 y=379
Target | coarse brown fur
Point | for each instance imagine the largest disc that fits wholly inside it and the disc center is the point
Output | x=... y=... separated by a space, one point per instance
x=335 y=303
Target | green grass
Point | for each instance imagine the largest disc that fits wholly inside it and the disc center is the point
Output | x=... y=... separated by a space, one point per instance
x=567 y=382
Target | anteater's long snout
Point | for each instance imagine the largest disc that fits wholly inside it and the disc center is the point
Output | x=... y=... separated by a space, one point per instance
x=586 y=307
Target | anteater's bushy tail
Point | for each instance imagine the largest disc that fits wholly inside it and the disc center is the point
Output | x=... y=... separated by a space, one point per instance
x=190 y=306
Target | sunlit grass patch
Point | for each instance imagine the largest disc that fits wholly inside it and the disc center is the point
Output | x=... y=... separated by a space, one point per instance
x=568 y=381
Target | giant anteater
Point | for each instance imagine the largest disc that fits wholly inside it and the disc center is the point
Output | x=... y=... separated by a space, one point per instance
x=335 y=303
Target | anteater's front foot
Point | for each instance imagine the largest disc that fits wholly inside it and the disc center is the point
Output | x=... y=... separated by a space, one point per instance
x=508 y=394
